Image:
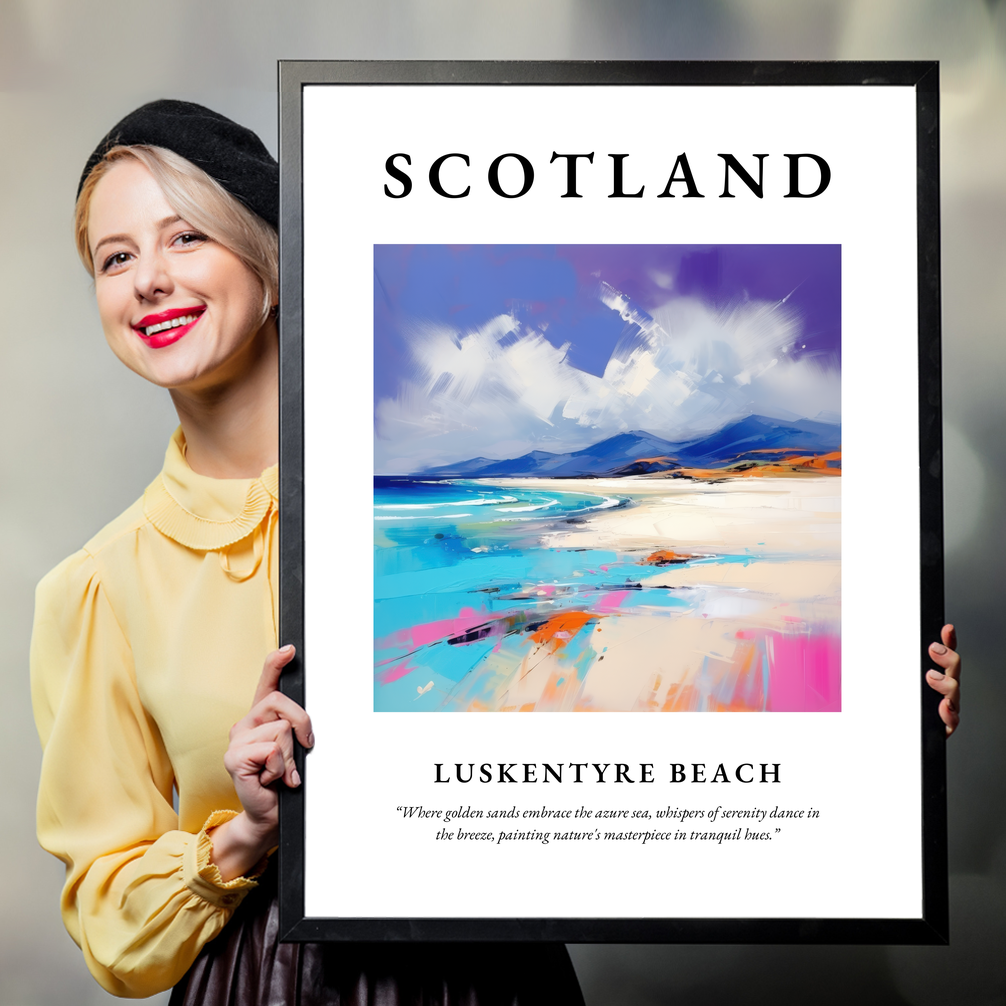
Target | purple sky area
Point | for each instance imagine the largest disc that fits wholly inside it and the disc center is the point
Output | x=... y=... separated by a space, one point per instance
x=558 y=284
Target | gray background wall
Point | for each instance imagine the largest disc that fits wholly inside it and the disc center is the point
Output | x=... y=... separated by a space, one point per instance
x=82 y=436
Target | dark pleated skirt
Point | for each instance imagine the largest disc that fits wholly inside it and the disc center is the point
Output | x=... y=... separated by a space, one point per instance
x=246 y=965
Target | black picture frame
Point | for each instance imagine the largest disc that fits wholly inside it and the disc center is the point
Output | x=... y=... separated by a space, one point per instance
x=932 y=927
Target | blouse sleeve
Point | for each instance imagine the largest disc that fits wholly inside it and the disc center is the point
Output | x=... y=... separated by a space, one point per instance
x=141 y=898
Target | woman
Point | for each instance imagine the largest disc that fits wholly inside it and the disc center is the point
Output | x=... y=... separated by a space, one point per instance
x=149 y=642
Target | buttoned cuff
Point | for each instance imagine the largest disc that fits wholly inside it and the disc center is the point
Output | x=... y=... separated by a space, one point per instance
x=202 y=876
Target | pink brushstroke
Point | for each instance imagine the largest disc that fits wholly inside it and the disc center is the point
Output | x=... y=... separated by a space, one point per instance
x=805 y=672
x=385 y=677
x=611 y=602
x=429 y=632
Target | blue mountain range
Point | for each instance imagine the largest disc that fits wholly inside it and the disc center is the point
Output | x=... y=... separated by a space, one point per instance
x=640 y=453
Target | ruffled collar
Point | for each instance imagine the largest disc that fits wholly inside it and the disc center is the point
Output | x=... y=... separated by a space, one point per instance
x=202 y=513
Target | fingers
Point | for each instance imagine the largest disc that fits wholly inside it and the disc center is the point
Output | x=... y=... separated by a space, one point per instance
x=262 y=761
x=949 y=688
x=270 y=703
x=950 y=717
x=265 y=751
x=945 y=685
x=261 y=749
x=272 y=761
x=277 y=706
x=280 y=763
x=947 y=658
x=271 y=671
x=949 y=636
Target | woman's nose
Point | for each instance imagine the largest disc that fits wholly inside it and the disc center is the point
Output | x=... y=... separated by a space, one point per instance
x=152 y=277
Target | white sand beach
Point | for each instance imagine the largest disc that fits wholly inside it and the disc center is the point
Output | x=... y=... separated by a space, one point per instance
x=762 y=517
x=768 y=578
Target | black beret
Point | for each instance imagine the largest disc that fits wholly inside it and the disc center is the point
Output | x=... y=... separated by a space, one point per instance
x=231 y=154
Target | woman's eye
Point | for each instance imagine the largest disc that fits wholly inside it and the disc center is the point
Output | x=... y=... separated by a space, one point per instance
x=190 y=238
x=114 y=261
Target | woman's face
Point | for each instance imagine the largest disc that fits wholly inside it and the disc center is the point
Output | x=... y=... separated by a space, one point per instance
x=177 y=308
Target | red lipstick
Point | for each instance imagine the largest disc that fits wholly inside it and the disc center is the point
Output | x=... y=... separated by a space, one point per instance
x=165 y=333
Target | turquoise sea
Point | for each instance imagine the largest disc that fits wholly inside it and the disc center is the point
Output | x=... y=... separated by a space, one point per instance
x=463 y=567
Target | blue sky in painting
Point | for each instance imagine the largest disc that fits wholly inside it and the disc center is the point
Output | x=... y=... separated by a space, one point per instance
x=497 y=350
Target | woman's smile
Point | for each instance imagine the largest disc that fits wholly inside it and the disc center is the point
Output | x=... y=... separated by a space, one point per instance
x=166 y=327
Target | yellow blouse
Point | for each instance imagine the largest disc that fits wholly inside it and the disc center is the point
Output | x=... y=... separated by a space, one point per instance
x=147 y=647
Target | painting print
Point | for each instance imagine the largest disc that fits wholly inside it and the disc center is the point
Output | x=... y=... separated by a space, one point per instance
x=607 y=478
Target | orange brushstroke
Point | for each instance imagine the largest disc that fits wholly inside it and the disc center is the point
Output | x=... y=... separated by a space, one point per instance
x=665 y=555
x=680 y=698
x=797 y=465
x=569 y=623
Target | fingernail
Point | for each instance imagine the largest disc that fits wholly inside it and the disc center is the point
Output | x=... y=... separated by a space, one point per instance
x=936 y=675
x=287 y=649
x=310 y=740
x=938 y=648
x=295 y=777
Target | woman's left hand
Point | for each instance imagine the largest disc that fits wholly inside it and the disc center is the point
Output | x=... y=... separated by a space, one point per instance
x=948 y=681
x=260 y=754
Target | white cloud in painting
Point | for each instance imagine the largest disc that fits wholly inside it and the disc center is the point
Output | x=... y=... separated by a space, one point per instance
x=503 y=389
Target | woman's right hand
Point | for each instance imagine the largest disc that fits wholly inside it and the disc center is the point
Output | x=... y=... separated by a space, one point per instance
x=260 y=753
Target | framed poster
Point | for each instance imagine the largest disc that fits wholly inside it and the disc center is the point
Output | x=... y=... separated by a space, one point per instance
x=611 y=501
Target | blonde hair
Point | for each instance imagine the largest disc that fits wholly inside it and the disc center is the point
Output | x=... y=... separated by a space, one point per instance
x=199 y=200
